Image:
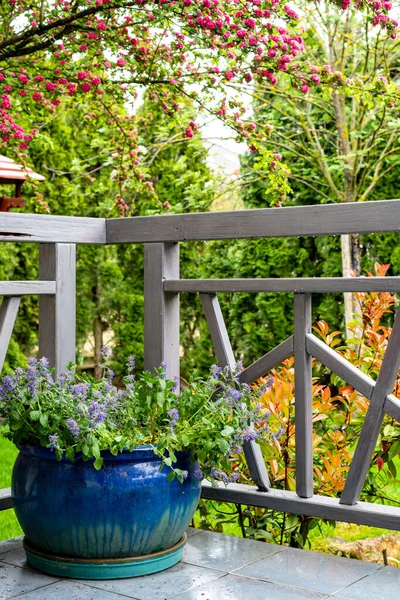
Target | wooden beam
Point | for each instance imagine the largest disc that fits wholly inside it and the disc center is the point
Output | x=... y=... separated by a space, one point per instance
x=161 y=309
x=299 y=285
x=225 y=357
x=17 y=227
x=218 y=331
x=373 y=420
x=8 y=314
x=356 y=378
x=303 y=396
x=339 y=365
x=324 y=507
x=271 y=359
x=392 y=407
x=24 y=288
x=319 y=219
x=5 y=499
x=57 y=313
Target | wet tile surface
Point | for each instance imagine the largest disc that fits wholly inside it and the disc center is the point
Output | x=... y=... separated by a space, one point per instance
x=309 y=570
x=15 y=581
x=68 y=590
x=225 y=552
x=162 y=585
x=232 y=587
x=215 y=567
x=8 y=545
x=383 y=585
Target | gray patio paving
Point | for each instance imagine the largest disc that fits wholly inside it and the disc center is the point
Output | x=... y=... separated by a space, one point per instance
x=214 y=567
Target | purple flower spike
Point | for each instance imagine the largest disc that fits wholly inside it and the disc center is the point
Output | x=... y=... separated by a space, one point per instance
x=164 y=368
x=53 y=439
x=131 y=362
x=105 y=353
x=198 y=474
x=216 y=371
x=73 y=427
x=174 y=414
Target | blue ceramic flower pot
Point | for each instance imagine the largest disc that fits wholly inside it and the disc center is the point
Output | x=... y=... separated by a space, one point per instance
x=126 y=509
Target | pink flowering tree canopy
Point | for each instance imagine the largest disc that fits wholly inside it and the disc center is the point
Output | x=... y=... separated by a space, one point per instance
x=106 y=53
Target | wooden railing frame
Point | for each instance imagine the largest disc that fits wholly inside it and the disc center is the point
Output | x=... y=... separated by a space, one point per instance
x=161 y=235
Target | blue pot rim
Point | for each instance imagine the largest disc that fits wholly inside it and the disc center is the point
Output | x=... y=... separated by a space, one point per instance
x=139 y=454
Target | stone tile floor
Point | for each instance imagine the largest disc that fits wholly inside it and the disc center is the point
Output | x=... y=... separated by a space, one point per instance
x=214 y=567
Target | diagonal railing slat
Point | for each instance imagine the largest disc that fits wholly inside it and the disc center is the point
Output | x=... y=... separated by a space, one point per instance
x=373 y=421
x=8 y=314
x=356 y=378
x=303 y=396
x=225 y=357
x=271 y=359
x=218 y=332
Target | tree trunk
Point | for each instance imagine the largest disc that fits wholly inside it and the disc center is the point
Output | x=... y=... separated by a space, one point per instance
x=351 y=258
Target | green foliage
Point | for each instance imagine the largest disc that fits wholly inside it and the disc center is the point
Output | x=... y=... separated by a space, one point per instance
x=79 y=417
x=73 y=152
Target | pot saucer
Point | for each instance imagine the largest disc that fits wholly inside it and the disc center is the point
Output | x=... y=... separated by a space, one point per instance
x=104 y=568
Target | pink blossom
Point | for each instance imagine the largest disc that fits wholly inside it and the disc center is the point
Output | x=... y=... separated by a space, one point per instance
x=316 y=78
x=304 y=88
x=189 y=132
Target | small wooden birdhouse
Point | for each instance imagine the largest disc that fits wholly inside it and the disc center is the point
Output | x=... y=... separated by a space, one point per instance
x=14 y=174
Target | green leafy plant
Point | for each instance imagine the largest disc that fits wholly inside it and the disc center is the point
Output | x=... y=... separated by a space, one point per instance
x=77 y=416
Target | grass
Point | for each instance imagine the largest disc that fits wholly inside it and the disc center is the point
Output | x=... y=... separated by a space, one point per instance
x=9 y=526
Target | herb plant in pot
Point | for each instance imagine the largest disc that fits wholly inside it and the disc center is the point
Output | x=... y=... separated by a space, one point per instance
x=107 y=479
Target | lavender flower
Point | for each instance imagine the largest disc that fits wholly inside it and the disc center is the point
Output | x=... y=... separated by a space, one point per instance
x=164 y=368
x=198 y=474
x=80 y=390
x=174 y=414
x=105 y=353
x=176 y=384
x=249 y=435
x=73 y=427
x=216 y=371
x=232 y=396
x=9 y=383
x=264 y=388
x=131 y=363
x=53 y=439
x=96 y=413
x=224 y=477
x=184 y=474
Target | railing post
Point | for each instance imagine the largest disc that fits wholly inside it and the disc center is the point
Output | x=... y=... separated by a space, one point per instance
x=57 y=314
x=161 y=309
x=303 y=396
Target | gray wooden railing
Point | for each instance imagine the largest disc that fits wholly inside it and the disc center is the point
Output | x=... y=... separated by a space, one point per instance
x=161 y=236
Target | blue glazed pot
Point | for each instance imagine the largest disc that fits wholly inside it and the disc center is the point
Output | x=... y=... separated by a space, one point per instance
x=126 y=509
